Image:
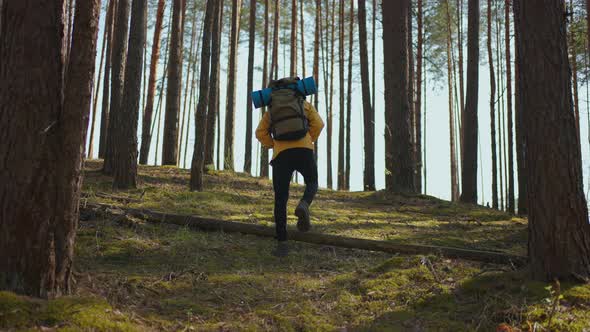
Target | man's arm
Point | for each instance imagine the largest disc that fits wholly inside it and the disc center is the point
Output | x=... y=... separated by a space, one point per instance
x=263 y=132
x=316 y=124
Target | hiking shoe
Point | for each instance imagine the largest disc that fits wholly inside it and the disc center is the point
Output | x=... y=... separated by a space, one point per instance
x=302 y=213
x=282 y=249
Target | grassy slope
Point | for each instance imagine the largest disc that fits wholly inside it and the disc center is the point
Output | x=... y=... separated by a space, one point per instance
x=137 y=276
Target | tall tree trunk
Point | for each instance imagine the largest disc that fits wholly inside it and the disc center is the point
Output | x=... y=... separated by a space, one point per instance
x=373 y=51
x=341 y=182
x=454 y=173
x=158 y=114
x=492 y=109
x=398 y=137
x=192 y=98
x=368 y=112
x=411 y=81
x=250 y=87
x=329 y=122
x=519 y=125
x=316 y=59
x=510 y=197
x=349 y=96
x=196 y=181
x=170 y=141
x=97 y=83
x=106 y=86
x=274 y=67
x=230 y=105
x=213 y=108
x=301 y=23
x=43 y=147
x=293 y=50
x=559 y=232
x=418 y=104
x=461 y=64
x=146 y=136
x=121 y=34
x=189 y=61
x=470 y=121
x=126 y=152
x=574 y=67
x=264 y=151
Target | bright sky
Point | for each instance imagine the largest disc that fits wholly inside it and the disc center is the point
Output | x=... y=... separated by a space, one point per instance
x=436 y=122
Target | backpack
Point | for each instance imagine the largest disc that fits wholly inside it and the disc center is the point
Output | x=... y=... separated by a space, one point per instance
x=287 y=112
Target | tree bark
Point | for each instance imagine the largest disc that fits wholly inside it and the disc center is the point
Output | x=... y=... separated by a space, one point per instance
x=170 y=140
x=454 y=173
x=559 y=232
x=349 y=96
x=519 y=126
x=189 y=61
x=106 y=87
x=264 y=151
x=230 y=106
x=274 y=67
x=43 y=147
x=196 y=181
x=99 y=79
x=302 y=24
x=398 y=147
x=574 y=68
x=125 y=176
x=418 y=104
x=213 y=101
x=510 y=196
x=316 y=60
x=120 y=37
x=293 y=51
x=368 y=112
x=330 y=117
x=492 y=108
x=250 y=87
x=373 y=52
x=146 y=133
x=470 y=121
x=341 y=183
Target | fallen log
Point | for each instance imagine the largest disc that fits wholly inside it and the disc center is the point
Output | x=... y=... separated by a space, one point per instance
x=209 y=224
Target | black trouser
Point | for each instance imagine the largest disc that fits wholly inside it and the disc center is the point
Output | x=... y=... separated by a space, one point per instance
x=296 y=159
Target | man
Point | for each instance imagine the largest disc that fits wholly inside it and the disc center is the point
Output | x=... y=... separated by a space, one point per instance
x=290 y=127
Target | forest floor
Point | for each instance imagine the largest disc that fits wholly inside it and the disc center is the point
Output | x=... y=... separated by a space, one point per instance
x=134 y=276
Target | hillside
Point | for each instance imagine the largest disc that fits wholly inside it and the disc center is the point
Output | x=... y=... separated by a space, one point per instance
x=135 y=275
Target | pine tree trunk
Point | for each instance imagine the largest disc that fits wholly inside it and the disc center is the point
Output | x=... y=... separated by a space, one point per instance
x=341 y=180
x=492 y=109
x=454 y=176
x=106 y=86
x=418 y=104
x=461 y=64
x=196 y=181
x=264 y=151
x=230 y=106
x=302 y=24
x=373 y=52
x=146 y=136
x=250 y=87
x=213 y=108
x=189 y=61
x=95 y=96
x=330 y=117
x=293 y=50
x=470 y=121
x=519 y=125
x=368 y=112
x=559 y=232
x=170 y=140
x=349 y=96
x=574 y=67
x=411 y=81
x=158 y=114
x=316 y=59
x=125 y=176
x=119 y=56
x=191 y=101
x=38 y=227
x=274 y=67
x=510 y=197
x=398 y=136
